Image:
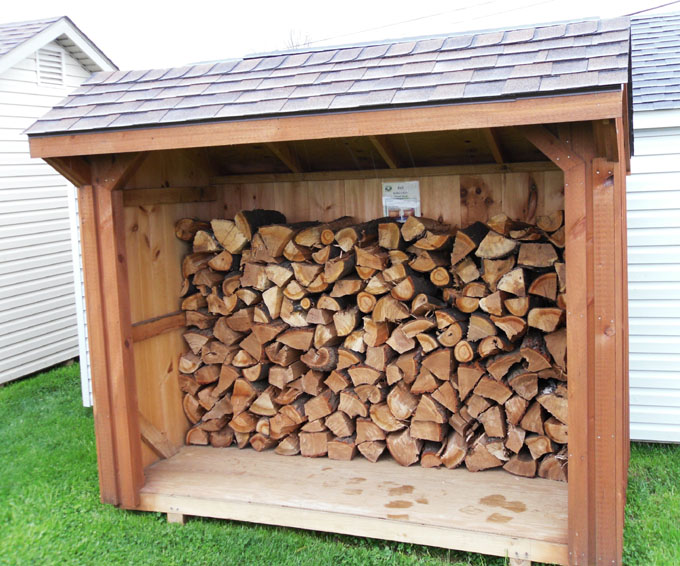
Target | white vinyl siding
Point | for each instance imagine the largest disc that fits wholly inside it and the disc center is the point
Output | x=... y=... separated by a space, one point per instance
x=39 y=308
x=653 y=195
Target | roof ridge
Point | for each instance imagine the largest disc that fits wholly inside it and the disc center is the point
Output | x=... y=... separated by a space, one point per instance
x=396 y=40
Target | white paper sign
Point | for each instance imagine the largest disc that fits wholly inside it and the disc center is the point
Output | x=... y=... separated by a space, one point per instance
x=401 y=199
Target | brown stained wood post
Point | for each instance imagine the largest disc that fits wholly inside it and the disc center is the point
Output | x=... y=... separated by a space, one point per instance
x=578 y=211
x=109 y=174
x=103 y=417
x=110 y=329
x=605 y=305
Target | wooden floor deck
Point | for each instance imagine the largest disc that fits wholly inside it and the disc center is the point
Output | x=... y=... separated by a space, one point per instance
x=490 y=512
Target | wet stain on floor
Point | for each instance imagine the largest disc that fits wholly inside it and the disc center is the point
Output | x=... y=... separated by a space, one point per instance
x=498 y=518
x=353 y=491
x=402 y=490
x=422 y=500
x=356 y=480
x=397 y=516
x=399 y=504
x=500 y=501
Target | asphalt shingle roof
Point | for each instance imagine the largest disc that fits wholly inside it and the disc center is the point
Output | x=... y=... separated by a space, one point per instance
x=14 y=34
x=548 y=59
x=656 y=62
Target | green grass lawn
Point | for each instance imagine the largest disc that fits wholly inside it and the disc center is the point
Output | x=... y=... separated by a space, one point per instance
x=50 y=511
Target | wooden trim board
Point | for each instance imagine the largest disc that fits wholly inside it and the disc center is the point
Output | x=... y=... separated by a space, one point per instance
x=441 y=171
x=453 y=509
x=543 y=110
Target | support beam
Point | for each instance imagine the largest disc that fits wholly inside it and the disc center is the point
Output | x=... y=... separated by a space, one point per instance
x=559 y=152
x=491 y=137
x=606 y=142
x=119 y=451
x=75 y=169
x=111 y=172
x=386 y=150
x=145 y=329
x=156 y=439
x=169 y=195
x=286 y=156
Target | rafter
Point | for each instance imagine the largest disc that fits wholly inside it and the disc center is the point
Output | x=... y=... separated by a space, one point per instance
x=286 y=156
x=386 y=150
x=491 y=137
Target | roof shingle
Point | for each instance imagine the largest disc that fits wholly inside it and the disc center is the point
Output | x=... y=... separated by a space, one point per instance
x=656 y=61
x=532 y=61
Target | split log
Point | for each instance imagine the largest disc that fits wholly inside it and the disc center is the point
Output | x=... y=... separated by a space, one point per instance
x=556 y=343
x=494 y=269
x=480 y=326
x=342 y=448
x=493 y=421
x=383 y=418
x=467 y=240
x=555 y=402
x=322 y=359
x=513 y=282
x=425 y=382
x=248 y=221
x=455 y=451
x=556 y=430
x=495 y=246
x=545 y=319
x=533 y=350
x=403 y=447
x=314 y=444
x=553 y=467
x=514 y=439
x=430 y=457
x=493 y=389
x=468 y=377
x=544 y=285
x=551 y=222
x=518 y=306
x=415 y=226
x=372 y=450
x=537 y=255
x=186 y=228
x=401 y=402
x=479 y=457
x=521 y=464
x=513 y=326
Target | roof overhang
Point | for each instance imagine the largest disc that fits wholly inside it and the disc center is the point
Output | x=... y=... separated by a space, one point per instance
x=519 y=112
x=63 y=26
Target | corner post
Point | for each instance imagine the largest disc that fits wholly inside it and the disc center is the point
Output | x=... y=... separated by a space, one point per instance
x=121 y=473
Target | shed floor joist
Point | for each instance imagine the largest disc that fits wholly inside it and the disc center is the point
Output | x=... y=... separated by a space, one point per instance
x=446 y=508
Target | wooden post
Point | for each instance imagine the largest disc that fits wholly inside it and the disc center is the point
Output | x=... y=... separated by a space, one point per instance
x=110 y=331
x=177 y=518
x=596 y=329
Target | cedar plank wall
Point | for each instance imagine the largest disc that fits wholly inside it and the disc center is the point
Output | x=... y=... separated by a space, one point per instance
x=154 y=260
x=155 y=255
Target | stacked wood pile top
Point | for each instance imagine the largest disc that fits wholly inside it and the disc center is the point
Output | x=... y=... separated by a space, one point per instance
x=443 y=346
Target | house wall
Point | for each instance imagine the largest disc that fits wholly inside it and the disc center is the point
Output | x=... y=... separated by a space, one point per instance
x=653 y=191
x=38 y=299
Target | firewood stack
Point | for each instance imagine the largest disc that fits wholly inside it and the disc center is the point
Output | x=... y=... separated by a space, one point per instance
x=442 y=346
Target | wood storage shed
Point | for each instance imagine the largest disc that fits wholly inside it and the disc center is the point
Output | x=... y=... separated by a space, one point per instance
x=502 y=131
